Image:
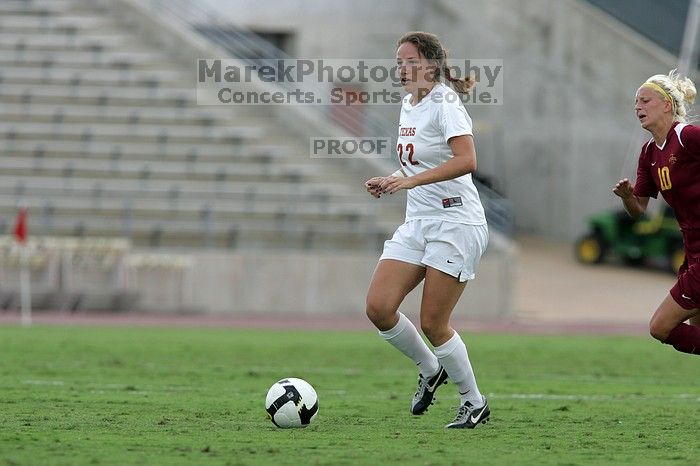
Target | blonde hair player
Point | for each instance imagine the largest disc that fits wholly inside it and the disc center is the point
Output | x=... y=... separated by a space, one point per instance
x=445 y=232
x=670 y=163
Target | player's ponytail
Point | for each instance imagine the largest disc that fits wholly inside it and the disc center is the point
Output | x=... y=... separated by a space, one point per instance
x=460 y=85
x=684 y=85
x=431 y=49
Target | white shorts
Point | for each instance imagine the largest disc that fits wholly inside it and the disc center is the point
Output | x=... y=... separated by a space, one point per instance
x=453 y=248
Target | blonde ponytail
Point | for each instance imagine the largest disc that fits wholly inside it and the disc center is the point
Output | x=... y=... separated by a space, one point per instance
x=684 y=85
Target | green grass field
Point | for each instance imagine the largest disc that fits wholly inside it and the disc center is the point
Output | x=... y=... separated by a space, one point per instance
x=196 y=396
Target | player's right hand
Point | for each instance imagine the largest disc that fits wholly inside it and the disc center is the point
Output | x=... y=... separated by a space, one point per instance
x=623 y=188
x=372 y=186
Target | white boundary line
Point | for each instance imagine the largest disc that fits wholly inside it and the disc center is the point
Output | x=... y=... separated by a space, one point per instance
x=578 y=397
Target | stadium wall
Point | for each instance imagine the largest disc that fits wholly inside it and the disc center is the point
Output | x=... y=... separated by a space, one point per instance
x=98 y=274
x=302 y=282
x=566 y=131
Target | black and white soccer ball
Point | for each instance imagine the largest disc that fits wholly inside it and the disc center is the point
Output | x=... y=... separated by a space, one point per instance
x=291 y=403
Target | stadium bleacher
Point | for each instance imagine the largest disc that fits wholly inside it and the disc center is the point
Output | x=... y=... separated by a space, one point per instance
x=101 y=135
x=102 y=138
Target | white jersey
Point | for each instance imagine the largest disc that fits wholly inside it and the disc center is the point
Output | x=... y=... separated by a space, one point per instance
x=423 y=133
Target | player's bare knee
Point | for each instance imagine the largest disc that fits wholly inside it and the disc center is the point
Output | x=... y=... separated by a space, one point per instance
x=379 y=313
x=433 y=330
x=372 y=311
x=658 y=334
x=658 y=331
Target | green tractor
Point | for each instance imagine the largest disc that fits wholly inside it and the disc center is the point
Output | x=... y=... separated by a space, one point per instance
x=654 y=238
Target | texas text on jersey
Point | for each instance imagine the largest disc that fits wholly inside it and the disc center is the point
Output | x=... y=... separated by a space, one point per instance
x=424 y=130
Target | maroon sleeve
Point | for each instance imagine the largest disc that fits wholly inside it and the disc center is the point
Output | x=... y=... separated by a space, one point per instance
x=690 y=139
x=645 y=186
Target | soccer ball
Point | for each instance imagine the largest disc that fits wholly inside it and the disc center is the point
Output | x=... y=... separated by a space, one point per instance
x=291 y=403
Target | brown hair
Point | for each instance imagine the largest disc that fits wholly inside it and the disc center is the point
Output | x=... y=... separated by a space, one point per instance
x=431 y=49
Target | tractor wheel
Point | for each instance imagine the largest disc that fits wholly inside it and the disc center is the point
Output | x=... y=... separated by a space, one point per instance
x=590 y=249
x=633 y=261
x=676 y=257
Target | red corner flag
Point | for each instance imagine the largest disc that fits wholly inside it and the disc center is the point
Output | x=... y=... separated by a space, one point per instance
x=21 y=226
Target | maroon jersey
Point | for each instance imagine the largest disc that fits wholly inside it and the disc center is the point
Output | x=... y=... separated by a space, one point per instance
x=674 y=170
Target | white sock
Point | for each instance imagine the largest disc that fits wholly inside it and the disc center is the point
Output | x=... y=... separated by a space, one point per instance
x=453 y=357
x=405 y=338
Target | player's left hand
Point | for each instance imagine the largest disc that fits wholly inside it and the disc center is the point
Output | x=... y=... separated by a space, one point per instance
x=391 y=184
x=372 y=186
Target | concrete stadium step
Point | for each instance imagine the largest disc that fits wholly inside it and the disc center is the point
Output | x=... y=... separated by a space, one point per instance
x=35 y=7
x=71 y=23
x=192 y=209
x=58 y=74
x=141 y=132
x=318 y=192
x=275 y=235
x=46 y=211
x=97 y=95
x=96 y=59
x=116 y=152
x=157 y=169
x=125 y=216
x=59 y=42
x=211 y=116
x=37 y=75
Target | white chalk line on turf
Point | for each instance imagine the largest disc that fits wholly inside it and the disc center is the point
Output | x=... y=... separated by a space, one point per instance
x=43 y=382
x=539 y=396
x=108 y=387
x=693 y=397
x=577 y=397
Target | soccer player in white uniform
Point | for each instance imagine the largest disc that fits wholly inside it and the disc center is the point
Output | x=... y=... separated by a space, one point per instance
x=445 y=232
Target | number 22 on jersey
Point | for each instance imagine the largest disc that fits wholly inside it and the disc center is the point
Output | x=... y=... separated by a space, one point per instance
x=409 y=150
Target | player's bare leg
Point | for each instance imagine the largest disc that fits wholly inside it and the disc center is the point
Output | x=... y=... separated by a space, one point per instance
x=391 y=282
x=441 y=292
x=668 y=326
x=440 y=295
